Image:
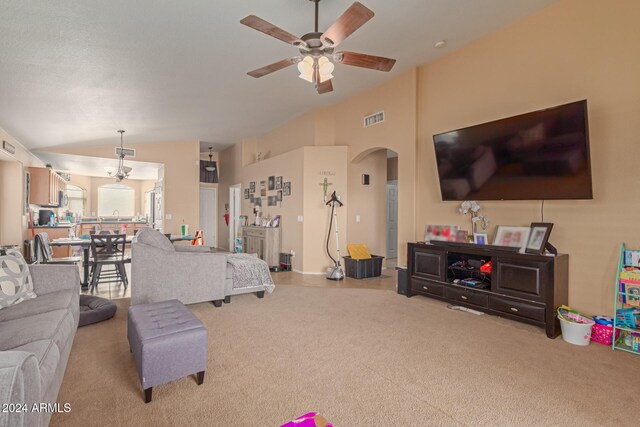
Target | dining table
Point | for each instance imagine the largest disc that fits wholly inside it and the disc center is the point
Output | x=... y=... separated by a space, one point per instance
x=85 y=244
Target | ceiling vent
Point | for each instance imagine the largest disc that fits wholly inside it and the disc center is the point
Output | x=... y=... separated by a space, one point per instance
x=128 y=152
x=374 y=119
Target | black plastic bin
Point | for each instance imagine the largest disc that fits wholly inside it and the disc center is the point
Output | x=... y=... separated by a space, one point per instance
x=363 y=268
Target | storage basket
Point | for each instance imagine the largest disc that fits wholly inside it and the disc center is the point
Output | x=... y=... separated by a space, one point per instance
x=576 y=329
x=603 y=334
x=363 y=268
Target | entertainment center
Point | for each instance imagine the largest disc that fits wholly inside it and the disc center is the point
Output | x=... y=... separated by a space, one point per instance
x=523 y=287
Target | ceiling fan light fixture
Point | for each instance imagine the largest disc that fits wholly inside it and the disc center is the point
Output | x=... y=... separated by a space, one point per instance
x=325 y=68
x=305 y=67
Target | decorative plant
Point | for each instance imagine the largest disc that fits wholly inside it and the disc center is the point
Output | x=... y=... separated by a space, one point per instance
x=473 y=208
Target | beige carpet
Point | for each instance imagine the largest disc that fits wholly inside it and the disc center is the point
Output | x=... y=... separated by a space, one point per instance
x=362 y=358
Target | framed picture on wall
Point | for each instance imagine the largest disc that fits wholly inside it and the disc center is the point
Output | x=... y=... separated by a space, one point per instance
x=257 y=201
x=279 y=195
x=286 y=188
x=263 y=188
x=278 y=183
x=26 y=190
x=272 y=183
x=246 y=193
x=252 y=187
x=271 y=201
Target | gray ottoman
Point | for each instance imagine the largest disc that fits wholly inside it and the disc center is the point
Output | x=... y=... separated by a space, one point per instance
x=168 y=342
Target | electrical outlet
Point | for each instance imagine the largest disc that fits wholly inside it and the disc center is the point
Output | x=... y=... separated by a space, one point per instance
x=300 y=218
x=168 y=217
x=357 y=218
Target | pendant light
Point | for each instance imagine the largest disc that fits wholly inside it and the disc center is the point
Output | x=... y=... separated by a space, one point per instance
x=123 y=171
x=210 y=167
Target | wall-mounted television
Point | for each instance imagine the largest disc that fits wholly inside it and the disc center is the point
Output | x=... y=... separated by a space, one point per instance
x=542 y=155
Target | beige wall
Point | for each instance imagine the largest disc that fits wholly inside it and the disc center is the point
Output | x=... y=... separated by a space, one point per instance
x=297 y=133
x=11 y=199
x=181 y=175
x=230 y=173
x=289 y=166
x=572 y=50
x=369 y=202
x=321 y=162
x=12 y=218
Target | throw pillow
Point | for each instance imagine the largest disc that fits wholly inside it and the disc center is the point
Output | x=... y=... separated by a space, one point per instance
x=15 y=280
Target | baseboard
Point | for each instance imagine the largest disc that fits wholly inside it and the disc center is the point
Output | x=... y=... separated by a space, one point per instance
x=309 y=273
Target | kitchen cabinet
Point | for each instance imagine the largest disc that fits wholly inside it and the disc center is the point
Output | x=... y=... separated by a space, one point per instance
x=45 y=187
x=59 y=232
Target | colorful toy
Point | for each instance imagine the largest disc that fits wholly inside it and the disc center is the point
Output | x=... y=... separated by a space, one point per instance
x=312 y=419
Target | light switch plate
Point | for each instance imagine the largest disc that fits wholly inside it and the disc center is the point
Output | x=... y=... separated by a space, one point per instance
x=300 y=218
x=168 y=217
x=357 y=218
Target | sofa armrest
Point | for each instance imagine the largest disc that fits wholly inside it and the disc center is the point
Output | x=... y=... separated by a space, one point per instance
x=19 y=384
x=52 y=278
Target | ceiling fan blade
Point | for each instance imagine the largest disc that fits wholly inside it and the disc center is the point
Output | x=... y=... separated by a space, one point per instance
x=268 y=69
x=352 y=19
x=325 y=87
x=379 y=63
x=271 y=30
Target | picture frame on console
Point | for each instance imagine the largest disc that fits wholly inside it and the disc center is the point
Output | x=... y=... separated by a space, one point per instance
x=538 y=238
x=480 y=238
x=513 y=237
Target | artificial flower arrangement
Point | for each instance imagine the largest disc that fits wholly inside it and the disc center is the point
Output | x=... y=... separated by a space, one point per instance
x=473 y=208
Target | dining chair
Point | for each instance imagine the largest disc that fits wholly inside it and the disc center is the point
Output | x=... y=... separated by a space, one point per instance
x=44 y=253
x=108 y=250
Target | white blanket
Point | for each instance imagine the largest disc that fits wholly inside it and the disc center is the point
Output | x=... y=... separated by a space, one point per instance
x=250 y=271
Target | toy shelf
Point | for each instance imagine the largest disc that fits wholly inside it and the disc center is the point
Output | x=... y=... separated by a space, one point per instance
x=627 y=309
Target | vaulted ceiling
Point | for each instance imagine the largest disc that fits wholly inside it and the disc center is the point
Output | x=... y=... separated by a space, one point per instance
x=74 y=71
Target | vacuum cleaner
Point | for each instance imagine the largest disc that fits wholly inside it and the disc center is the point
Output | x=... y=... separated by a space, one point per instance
x=335 y=272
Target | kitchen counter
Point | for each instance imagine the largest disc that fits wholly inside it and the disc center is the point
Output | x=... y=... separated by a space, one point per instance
x=55 y=226
x=113 y=222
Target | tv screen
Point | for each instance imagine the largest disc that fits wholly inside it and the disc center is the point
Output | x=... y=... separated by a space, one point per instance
x=542 y=155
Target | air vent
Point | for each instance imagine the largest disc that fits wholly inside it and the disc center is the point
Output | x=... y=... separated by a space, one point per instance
x=374 y=119
x=128 y=152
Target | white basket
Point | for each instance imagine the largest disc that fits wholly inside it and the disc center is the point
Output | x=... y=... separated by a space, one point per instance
x=576 y=333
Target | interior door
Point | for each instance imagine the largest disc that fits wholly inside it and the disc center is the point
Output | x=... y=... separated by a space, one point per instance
x=234 y=214
x=392 y=219
x=208 y=214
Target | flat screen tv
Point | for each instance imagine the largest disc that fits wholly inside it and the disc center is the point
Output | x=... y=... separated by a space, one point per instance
x=542 y=155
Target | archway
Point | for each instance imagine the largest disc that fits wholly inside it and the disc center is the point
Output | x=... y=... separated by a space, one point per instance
x=373 y=207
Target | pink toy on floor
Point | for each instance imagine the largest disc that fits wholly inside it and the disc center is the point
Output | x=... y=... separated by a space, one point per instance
x=312 y=419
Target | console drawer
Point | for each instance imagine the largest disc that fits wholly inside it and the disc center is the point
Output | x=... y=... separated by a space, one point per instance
x=426 y=287
x=517 y=308
x=466 y=295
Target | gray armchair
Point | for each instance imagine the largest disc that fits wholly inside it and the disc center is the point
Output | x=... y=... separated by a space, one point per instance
x=161 y=271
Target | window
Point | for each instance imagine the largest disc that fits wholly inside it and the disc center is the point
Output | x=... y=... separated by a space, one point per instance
x=116 y=200
x=77 y=199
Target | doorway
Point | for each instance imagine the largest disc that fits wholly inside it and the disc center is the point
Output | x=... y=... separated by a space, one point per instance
x=392 y=220
x=208 y=215
x=235 y=210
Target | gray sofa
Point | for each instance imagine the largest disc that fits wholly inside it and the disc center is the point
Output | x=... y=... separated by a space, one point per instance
x=162 y=271
x=35 y=341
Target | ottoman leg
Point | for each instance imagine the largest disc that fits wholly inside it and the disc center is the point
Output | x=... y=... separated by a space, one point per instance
x=147 y=394
x=217 y=303
x=260 y=294
x=200 y=377
x=227 y=299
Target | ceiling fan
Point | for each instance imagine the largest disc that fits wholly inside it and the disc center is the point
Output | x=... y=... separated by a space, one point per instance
x=317 y=56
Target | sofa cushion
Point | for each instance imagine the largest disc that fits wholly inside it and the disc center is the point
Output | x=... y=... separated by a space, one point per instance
x=15 y=281
x=154 y=238
x=57 y=325
x=42 y=304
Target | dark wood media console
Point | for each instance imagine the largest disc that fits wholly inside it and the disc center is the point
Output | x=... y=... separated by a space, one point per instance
x=523 y=287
